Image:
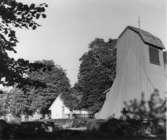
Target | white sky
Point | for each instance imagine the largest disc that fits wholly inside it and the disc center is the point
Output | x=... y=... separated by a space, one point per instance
x=72 y=24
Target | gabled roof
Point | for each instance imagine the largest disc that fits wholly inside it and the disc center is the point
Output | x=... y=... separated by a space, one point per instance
x=56 y=99
x=147 y=37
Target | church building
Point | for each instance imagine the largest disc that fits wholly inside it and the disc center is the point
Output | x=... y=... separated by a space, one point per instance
x=140 y=68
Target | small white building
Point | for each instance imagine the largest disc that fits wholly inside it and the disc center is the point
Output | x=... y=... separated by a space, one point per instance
x=60 y=111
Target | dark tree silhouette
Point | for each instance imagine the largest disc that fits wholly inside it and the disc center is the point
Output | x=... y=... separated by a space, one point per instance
x=152 y=111
x=96 y=73
x=39 y=98
x=15 y=15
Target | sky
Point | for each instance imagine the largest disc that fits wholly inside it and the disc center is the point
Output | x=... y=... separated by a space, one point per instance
x=71 y=25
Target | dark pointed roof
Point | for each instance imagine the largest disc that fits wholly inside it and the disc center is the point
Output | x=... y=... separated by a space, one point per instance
x=147 y=37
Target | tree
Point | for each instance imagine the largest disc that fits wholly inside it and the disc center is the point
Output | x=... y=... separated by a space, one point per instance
x=38 y=99
x=15 y=15
x=72 y=99
x=2 y=102
x=152 y=111
x=56 y=81
x=97 y=73
x=15 y=102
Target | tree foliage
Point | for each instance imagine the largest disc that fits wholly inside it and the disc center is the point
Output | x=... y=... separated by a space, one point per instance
x=15 y=102
x=39 y=99
x=151 y=112
x=15 y=15
x=96 y=73
x=154 y=108
x=2 y=103
x=56 y=83
x=72 y=99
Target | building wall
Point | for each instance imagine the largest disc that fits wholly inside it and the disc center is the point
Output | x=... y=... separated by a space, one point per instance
x=134 y=75
x=58 y=110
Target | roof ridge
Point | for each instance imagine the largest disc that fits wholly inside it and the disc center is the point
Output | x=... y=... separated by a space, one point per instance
x=147 y=37
x=142 y=30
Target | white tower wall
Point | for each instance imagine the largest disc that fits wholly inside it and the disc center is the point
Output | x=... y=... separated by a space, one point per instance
x=134 y=74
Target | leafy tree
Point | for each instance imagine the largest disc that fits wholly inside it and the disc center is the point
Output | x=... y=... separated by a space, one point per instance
x=15 y=15
x=153 y=111
x=96 y=73
x=56 y=81
x=38 y=99
x=16 y=102
x=72 y=99
x=154 y=108
x=2 y=102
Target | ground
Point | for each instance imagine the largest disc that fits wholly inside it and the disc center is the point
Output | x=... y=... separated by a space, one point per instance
x=91 y=138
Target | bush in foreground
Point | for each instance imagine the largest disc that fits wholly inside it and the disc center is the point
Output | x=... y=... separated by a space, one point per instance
x=139 y=118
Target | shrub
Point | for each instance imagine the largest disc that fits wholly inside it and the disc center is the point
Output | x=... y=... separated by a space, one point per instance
x=79 y=123
x=94 y=125
x=139 y=118
x=118 y=127
x=151 y=113
x=6 y=130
